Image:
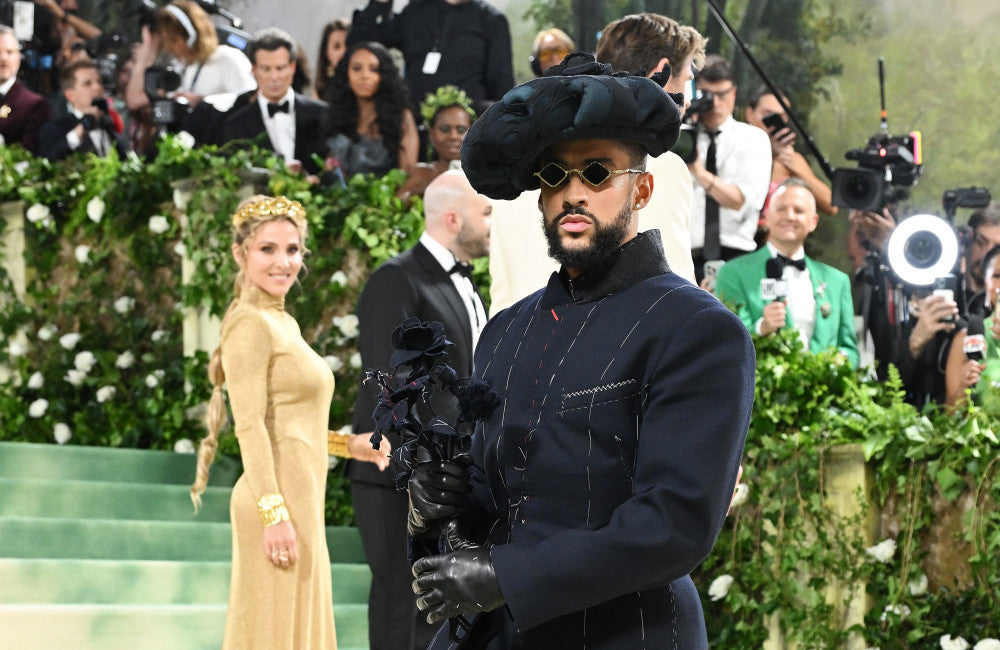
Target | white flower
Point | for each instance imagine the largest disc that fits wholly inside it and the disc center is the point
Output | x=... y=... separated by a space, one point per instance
x=355 y=360
x=125 y=360
x=158 y=335
x=334 y=362
x=720 y=587
x=105 y=393
x=47 y=332
x=85 y=361
x=38 y=408
x=152 y=381
x=883 y=551
x=158 y=224
x=95 y=209
x=69 y=341
x=17 y=348
x=339 y=278
x=741 y=495
x=75 y=376
x=902 y=611
x=36 y=381
x=124 y=304
x=180 y=249
x=62 y=433
x=987 y=644
x=185 y=140
x=82 y=254
x=184 y=446
x=160 y=374
x=948 y=643
x=918 y=587
x=37 y=212
x=348 y=325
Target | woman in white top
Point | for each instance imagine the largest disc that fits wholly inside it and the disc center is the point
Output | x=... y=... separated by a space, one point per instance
x=186 y=32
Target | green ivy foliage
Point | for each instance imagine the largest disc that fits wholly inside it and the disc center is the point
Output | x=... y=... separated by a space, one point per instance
x=95 y=348
x=784 y=549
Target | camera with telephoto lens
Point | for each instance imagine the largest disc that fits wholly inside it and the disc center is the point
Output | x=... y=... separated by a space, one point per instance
x=167 y=112
x=884 y=163
x=686 y=146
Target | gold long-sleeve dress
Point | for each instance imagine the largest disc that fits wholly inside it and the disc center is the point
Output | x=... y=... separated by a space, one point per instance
x=279 y=392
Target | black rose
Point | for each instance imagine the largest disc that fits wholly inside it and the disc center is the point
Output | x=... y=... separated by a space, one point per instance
x=476 y=401
x=417 y=342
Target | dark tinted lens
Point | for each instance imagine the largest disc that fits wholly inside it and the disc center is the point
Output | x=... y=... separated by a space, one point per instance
x=595 y=173
x=552 y=174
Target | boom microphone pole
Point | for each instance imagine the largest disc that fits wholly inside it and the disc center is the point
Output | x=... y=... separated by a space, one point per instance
x=823 y=162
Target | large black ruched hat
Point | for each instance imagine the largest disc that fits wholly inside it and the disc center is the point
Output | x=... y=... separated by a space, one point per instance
x=577 y=99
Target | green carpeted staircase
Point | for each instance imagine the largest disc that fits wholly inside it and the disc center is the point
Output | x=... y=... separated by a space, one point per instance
x=100 y=549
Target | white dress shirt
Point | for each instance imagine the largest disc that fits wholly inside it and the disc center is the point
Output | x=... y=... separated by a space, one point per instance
x=743 y=157
x=473 y=303
x=281 y=127
x=800 y=301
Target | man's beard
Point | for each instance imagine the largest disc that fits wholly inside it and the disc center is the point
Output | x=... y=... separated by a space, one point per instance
x=604 y=243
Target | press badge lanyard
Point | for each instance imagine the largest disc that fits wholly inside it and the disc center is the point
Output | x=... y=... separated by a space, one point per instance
x=433 y=58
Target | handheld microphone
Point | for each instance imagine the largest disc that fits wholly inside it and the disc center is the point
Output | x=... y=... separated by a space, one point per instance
x=773 y=287
x=975 y=340
x=211 y=7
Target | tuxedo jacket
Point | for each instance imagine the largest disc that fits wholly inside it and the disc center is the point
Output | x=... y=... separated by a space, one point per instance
x=412 y=284
x=52 y=142
x=22 y=114
x=248 y=124
x=738 y=285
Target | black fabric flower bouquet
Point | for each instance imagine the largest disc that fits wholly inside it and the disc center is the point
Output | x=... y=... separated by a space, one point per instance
x=421 y=348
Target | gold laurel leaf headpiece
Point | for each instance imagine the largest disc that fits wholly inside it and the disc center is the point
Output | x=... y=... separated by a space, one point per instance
x=269 y=207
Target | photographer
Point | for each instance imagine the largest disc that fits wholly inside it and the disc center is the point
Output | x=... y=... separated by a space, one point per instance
x=91 y=125
x=186 y=32
x=732 y=173
x=972 y=355
x=763 y=111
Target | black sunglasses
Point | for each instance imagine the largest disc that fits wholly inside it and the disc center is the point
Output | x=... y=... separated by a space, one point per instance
x=593 y=174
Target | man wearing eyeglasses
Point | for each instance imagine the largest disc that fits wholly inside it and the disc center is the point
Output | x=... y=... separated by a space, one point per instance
x=732 y=173
x=604 y=475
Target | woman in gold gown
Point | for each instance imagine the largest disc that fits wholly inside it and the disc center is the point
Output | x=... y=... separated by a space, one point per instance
x=279 y=390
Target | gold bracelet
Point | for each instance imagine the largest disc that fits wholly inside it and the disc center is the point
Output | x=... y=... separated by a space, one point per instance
x=272 y=509
x=336 y=444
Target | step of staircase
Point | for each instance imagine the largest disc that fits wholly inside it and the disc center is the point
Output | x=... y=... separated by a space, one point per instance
x=137 y=582
x=123 y=539
x=149 y=627
x=29 y=497
x=70 y=462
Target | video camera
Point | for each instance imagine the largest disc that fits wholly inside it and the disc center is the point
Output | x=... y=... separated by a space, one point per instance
x=885 y=161
x=686 y=146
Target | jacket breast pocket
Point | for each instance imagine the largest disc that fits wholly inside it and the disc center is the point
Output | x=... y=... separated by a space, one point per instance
x=602 y=422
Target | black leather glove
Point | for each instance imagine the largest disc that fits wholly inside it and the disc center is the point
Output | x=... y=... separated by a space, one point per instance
x=438 y=490
x=463 y=582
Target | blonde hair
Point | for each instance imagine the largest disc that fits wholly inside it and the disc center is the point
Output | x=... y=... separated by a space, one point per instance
x=206 y=41
x=250 y=215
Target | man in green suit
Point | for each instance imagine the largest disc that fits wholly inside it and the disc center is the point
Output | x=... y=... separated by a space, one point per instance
x=792 y=290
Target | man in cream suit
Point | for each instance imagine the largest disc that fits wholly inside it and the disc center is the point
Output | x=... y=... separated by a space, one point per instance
x=811 y=297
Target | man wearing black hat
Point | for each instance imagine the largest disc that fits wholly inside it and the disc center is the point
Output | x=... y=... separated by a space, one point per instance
x=604 y=475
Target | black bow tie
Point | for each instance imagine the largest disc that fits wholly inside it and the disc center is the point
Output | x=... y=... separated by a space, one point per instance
x=462 y=269
x=800 y=264
x=277 y=108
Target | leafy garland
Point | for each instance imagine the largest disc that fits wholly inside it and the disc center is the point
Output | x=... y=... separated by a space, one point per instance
x=97 y=338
